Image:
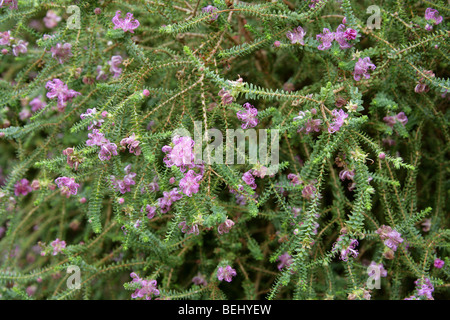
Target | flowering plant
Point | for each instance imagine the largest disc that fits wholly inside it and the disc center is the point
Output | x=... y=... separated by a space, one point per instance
x=111 y=112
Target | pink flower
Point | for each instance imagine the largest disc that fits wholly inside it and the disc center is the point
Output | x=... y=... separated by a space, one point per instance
x=432 y=16
x=249 y=179
x=326 y=37
x=124 y=185
x=226 y=273
x=438 y=263
x=211 y=9
x=114 y=66
x=132 y=144
x=62 y=52
x=91 y=113
x=285 y=261
x=189 y=184
x=20 y=47
x=296 y=35
x=96 y=138
x=225 y=227
x=424 y=288
x=58 y=89
x=151 y=211
x=126 y=24
x=147 y=288
x=181 y=154
x=22 y=187
x=392 y=238
x=51 y=19
x=58 y=245
x=107 y=150
x=168 y=199
x=189 y=230
x=67 y=185
x=311 y=125
x=227 y=98
x=362 y=68
x=37 y=104
x=338 y=120
x=342 y=36
x=249 y=116
x=5 y=38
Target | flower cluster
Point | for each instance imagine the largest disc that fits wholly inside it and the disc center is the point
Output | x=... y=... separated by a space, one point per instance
x=226 y=273
x=67 y=185
x=400 y=117
x=392 y=238
x=146 y=288
x=59 y=90
x=124 y=185
x=18 y=46
x=249 y=117
x=127 y=24
x=362 y=68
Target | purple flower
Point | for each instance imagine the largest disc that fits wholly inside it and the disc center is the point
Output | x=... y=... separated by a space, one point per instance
x=341 y=36
x=296 y=35
x=392 y=238
x=22 y=187
x=96 y=138
x=168 y=199
x=350 y=249
x=311 y=125
x=326 y=38
x=350 y=34
x=188 y=230
x=5 y=38
x=151 y=211
x=189 y=184
x=438 y=263
x=432 y=16
x=313 y=3
x=227 y=98
x=147 y=288
x=400 y=117
x=199 y=279
x=94 y=123
x=309 y=192
x=211 y=9
x=285 y=261
x=362 y=68
x=338 y=120
x=107 y=150
x=424 y=288
x=295 y=179
x=101 y=75
x=37 y=104
x=225 y=227
x=51 y=19
x=24 y=114
x=124 y=185
x=57 y=89
x=346 y=174
x=226 y=273
x=249 y=179
x=132 y=144
x=62 y=52
x=67 y=186
x=114 y=66
x=20 y=47
x=58 y=245
x=382 y=272
x=126 y=24
x=249 y=116
x=181 y=154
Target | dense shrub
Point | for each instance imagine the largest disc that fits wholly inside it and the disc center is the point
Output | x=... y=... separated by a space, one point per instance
x=100 y=104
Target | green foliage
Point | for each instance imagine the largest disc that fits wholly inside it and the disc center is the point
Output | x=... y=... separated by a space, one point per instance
x=289 y=237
